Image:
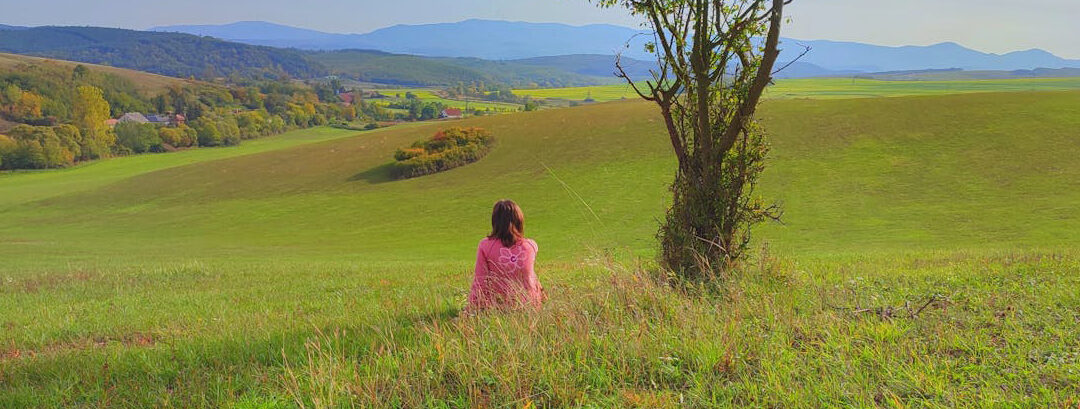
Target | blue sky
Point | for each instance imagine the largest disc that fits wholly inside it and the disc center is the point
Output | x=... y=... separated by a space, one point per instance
x=986 y=25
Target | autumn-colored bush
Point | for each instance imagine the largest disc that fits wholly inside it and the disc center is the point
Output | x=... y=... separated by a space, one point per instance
x=447 y=149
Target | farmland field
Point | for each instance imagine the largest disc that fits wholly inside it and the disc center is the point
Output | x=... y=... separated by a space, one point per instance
x=836 y=88
x=928 y=258
x=599 y=93
x=429 y=95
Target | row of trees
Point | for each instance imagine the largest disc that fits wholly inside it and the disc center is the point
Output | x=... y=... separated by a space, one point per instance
x=418 y=109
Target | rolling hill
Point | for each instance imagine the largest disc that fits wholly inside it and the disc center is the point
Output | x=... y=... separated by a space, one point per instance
x=184 y=55
x=527 y=55
x=294 y=268
x=172 y=54
x=587 y=157
x=144 y=81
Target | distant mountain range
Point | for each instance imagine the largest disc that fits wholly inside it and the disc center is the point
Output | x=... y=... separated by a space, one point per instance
x=960 y=75
x=487 y=39
x=848 y=56
x=510 y=53
x=504 y=40
x=187 y=55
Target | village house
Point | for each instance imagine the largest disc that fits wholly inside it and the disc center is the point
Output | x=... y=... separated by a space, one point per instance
x=451 y=113
x=347 y=98
x=133 y=117
x=158 y=119
x=154 y=119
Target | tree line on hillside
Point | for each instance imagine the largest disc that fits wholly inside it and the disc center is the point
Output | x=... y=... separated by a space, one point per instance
x=411 y=70
x=172 y=54
x=63 y=113
x=185 y=55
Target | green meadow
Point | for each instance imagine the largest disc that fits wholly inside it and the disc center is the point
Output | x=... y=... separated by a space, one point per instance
x=928 y=257
x=834 y=88
x=599 y=93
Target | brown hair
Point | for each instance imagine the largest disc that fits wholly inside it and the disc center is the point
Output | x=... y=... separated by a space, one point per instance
x=507 y=223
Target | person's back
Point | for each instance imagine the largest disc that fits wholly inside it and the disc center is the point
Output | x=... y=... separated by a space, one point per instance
x=504 y=274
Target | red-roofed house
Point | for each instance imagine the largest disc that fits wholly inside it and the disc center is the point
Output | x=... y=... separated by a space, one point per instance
x=451 y=113
x=347 y=98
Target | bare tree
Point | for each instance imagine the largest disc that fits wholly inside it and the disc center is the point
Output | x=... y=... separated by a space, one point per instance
x=715 y=59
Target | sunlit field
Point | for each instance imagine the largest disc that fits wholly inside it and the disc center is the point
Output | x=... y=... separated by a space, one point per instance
x=927 y=258
x=430 y=95
x=835 y=88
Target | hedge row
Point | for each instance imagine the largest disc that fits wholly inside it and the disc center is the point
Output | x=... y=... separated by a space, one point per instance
x=447 y=149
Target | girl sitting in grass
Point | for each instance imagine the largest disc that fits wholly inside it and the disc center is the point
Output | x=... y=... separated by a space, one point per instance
x=504 y=276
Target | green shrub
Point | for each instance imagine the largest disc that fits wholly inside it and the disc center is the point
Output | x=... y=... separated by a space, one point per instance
x=182 y=136
x=138 y=138
x=447 y=149
x=38 y=147
x=7 y=147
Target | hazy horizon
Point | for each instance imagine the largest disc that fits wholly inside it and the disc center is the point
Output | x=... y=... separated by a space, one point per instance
x=995 y=26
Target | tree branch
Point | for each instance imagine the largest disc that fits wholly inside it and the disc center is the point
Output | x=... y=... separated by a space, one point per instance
x=762 y=80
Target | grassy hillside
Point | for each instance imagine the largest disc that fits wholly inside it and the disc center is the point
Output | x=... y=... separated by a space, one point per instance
x=305 y=273
x=148 y=83
x=932 y=159
x=29 y=186
x=172 y=54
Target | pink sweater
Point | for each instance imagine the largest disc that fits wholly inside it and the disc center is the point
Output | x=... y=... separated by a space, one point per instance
x=504 y=276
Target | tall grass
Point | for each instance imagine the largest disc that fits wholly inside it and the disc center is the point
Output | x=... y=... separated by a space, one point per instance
x=771 y=336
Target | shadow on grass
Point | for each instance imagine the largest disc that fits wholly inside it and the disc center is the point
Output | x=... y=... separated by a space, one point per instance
x=375 y=175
